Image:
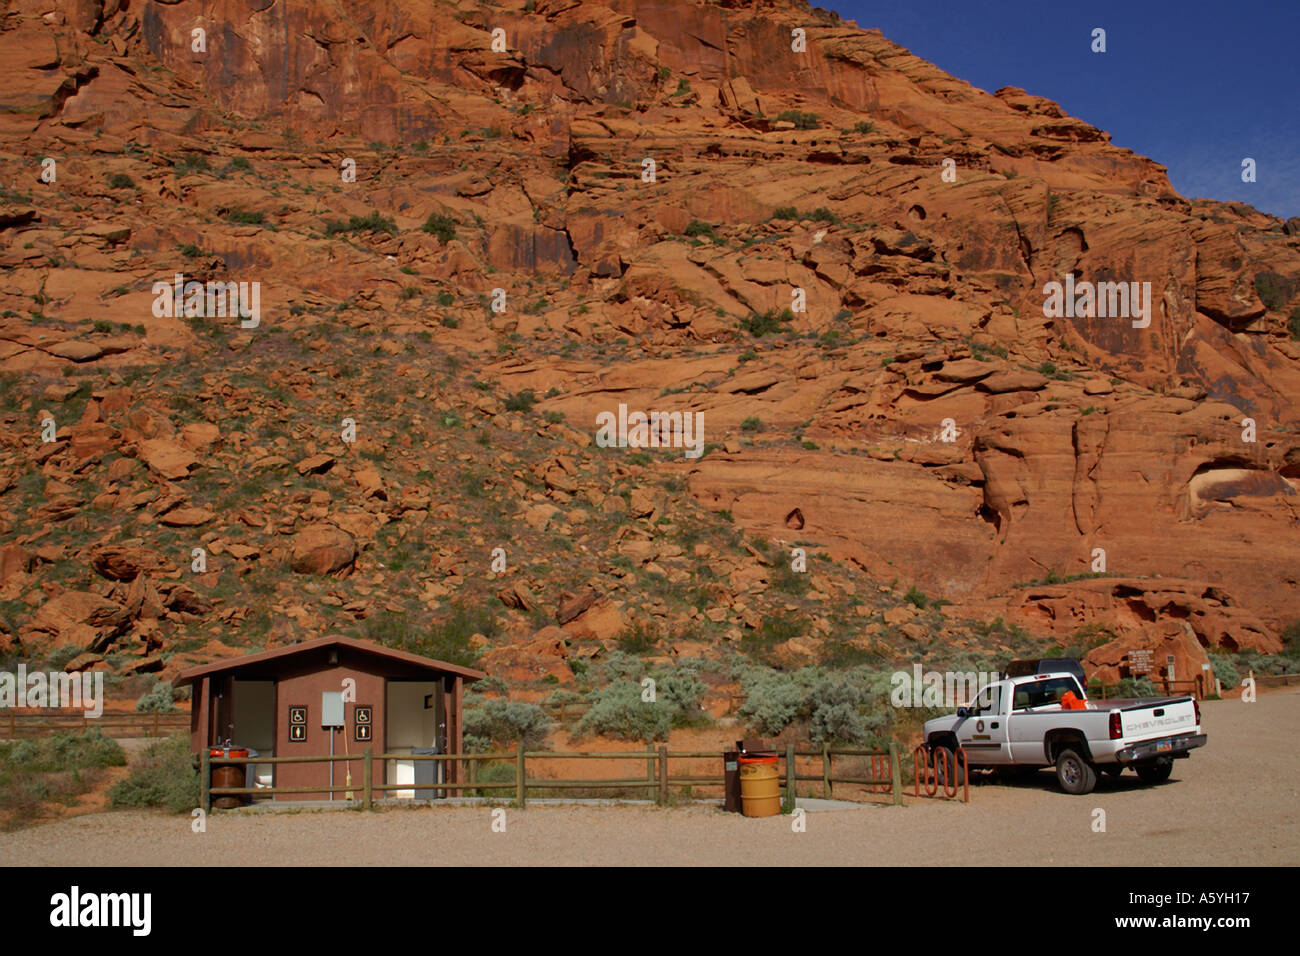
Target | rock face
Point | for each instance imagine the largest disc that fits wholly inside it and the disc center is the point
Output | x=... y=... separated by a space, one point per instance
x=834 y=264
x=125 y=562
x=1176 y=657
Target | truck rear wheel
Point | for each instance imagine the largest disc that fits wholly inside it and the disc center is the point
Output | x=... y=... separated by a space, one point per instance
x=1074 y=774
x=945 y=758
x=1157 y=771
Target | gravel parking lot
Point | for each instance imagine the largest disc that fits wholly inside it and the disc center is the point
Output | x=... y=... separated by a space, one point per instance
x=1232 y=802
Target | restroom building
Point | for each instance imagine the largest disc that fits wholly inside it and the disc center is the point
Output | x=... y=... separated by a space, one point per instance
x=332 y=695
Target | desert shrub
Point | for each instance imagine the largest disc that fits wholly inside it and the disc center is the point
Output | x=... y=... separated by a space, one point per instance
x=1136 y=687
x=916 y=598
x=698 y=228
x=1293 y=323
x=61 y=768
x=680 y=691
x=617 y=665
x=164 y=776
x=191 y=163
x=120 y=181
x=492 y=771
x=767 y=323
x=1274 y=290
x=846 y=709
x=159 y=699
x=441 y=227
x=618 y=711
x=65 y=751
x=785 y=212
x=1225 y=671
x=800 y=119
x=637 y=638
x=372 y=223
x=752 y=424
x=785 y=578
x=862 y=126
x=246 y=217
x=446 y=640
x=773 y=701
x=500 y=722
x=521 y=401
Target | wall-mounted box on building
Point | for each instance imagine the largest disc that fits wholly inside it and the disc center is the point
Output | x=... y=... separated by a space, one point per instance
x=331 y=708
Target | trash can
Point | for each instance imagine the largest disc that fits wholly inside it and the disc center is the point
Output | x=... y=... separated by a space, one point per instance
x=760 y=785
x=426 y=772
x=228 y=775
x=731 y=781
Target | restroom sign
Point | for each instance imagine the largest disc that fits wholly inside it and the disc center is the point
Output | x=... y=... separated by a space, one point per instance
x=362 y=723
x=298 y=723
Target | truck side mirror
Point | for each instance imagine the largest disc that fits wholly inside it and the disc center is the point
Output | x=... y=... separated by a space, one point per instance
x=963 y=711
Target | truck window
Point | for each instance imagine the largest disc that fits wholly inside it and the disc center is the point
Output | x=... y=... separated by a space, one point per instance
x=1042 y=693
x=988 y=701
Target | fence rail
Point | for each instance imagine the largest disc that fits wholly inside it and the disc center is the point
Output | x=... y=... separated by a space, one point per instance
x=657 y=782
x=1195 y=687
x=125 y=723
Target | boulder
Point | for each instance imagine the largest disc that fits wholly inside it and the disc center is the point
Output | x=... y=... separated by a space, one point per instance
x=322 y=549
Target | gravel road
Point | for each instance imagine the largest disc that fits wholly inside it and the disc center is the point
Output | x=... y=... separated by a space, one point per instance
x=1233 y=802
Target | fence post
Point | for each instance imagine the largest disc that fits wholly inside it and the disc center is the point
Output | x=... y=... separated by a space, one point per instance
x=826 y=771
x=521 y=790
x=367 y=779
x=205 y=780
x=790 y=792
x=895 y=773
x=651 y=756
x=663 y=775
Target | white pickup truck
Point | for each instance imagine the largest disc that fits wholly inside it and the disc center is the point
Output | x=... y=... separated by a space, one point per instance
x=1020 y=722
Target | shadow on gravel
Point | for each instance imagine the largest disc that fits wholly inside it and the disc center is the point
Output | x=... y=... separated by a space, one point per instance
x=1045 y=780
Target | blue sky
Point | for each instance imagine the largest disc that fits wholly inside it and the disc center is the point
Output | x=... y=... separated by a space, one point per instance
x=1196 y=85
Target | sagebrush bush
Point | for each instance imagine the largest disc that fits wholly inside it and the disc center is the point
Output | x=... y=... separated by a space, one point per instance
x=66 y=751
x=773 y=701
x=159 y=699
x=1225 y=671
x=1136 y=687
x=618 y=711
x=165 y=776
x=499 y=722
x=851 y=707
x=680 y=691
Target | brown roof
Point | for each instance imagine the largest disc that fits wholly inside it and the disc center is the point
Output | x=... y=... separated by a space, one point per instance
x=378 y=650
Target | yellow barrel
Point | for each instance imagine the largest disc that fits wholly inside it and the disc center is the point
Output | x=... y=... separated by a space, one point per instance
x=760 y=787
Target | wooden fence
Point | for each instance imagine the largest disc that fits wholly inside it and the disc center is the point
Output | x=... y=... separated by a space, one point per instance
x=1270 y=680
x=1170 y=688
x=123 y=723
x=656 y=784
